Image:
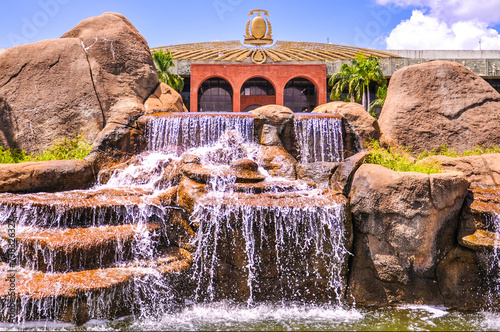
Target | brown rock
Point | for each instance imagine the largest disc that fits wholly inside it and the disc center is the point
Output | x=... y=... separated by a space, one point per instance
x=481 y=240
x=275 y=115
x=343 y=175
x=189 y=193
x=204 y=174
x=440 y=102
x=278 y=162
x=93 y=81
x=269 y=136
x=296 y=261
x=477 y=222
x=460 y=280
x=69 y=296
x=484 y=170
x=53 y=175
x=319 y=172
x=359 y=125
x=46 y=94
x=73 y=249
x=123 y=76
x=405 y=223
x=119 y=73
x=164 y=99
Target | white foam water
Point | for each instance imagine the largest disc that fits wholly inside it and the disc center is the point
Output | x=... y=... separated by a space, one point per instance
x=179 y=133
x=319 y=139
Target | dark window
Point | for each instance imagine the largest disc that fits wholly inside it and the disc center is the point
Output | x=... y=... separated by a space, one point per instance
x=257 y=87
x=300 y=95
x=215 y=95
x=186 y=93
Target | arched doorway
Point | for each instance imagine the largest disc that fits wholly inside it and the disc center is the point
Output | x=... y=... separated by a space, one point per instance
x=215 y=95
x=300 y=95
x=256 y=91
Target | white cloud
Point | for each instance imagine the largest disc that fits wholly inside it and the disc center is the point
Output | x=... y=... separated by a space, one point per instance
x=450 y=11
x=423 y=31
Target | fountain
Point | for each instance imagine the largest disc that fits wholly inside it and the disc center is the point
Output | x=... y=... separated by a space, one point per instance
x=124 y=246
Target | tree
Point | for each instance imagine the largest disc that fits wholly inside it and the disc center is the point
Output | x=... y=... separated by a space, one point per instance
x=163 y=62
x=356 y=79
x=381 y=95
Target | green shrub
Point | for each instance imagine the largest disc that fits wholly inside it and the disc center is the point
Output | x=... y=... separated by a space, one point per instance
x=399 y=159
x=12 y=156
x=75 y=148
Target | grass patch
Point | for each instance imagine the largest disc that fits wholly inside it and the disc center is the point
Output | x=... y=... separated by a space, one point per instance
x=75 y=148
x=399 y=159
x=444 y=150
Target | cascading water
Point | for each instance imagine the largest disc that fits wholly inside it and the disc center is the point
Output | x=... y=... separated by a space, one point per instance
x=282 y=250
x=319 y=138
x=178 y=132
x=288 y=241
x=492 y=260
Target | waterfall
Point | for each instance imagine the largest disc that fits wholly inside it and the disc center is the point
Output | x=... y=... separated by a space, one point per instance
x=319 y=138
x=283 y=249
x=179 y=132
x=118 y=248
x=492 y=260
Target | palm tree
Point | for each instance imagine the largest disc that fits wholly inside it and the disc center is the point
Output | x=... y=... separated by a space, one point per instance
x=163 y=62
x=356 y=79
x=381 y=95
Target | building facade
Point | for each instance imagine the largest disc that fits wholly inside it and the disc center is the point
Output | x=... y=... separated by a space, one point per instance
x=234 y=76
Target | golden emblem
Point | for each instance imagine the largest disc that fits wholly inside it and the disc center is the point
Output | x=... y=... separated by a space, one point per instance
x=258 y=31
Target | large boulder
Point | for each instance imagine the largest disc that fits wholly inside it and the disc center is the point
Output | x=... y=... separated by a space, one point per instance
x=123 y=74
x=97 y=76
x=405 y=224
x=46 y=93
x=359 y=125
x=121 y=64
x=438 y=103
x=164 y=99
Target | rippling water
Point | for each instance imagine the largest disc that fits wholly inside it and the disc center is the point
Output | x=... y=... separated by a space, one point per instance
x=230 y=317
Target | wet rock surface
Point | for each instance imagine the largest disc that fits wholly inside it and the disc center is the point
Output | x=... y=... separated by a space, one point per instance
x=68 y=296
x=360 y=126
x=405 y=223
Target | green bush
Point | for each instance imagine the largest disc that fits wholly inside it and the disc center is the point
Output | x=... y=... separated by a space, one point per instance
x=399 y=159
x=12 y=156
x=75 y=148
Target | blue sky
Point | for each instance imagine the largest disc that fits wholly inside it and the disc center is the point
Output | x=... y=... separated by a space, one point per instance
x=378 y=24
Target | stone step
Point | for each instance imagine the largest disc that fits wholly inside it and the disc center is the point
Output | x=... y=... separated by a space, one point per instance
x=81 y=208
x=74 y=249
x=91 y=294
x=315 y=198
x=482 y=240
x=480 y=219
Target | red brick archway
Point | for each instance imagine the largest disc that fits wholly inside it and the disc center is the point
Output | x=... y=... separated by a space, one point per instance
x=238 y=74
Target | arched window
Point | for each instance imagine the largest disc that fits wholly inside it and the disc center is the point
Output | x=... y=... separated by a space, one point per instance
x=257 y=87
x=300 y=95
x=215 y=95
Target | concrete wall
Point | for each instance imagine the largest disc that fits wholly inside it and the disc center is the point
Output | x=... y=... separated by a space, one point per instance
x=446 y=54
